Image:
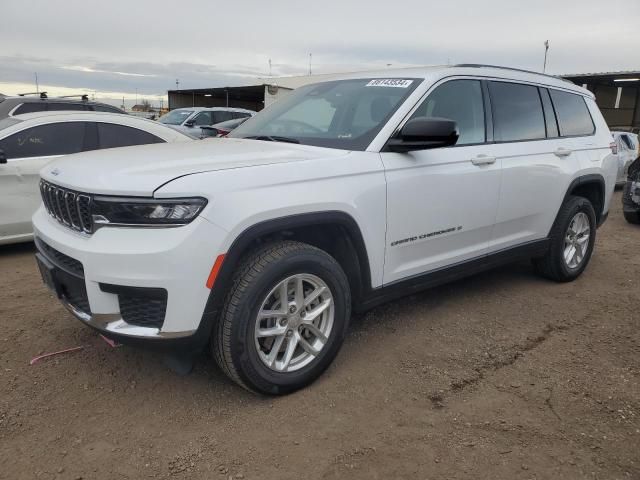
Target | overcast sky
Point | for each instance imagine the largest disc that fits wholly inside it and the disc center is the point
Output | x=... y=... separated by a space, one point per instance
x=115 y=47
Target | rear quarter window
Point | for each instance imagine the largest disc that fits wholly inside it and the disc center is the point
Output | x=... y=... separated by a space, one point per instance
x=573 y=115
x=111 y=135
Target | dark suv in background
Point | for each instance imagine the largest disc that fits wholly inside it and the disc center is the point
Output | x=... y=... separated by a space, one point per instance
x=10 y=106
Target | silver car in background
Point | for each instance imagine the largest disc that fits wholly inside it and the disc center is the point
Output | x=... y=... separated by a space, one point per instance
x=628 y=150
x=190 y=120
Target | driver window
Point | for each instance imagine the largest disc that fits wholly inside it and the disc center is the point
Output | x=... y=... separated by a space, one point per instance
x=461 y=101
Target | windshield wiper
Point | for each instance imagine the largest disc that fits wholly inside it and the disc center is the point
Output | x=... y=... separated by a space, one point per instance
x=273 y=138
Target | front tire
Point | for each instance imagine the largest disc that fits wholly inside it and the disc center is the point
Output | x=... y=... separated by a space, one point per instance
x=284 y=319
x=573 y=237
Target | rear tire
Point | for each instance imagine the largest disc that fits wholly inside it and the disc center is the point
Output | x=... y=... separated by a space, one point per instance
x=572 y=238
x=284 y=319
x=632 y=217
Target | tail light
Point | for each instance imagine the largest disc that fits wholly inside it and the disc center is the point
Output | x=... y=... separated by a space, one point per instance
x=614 y=148
x=223 y=133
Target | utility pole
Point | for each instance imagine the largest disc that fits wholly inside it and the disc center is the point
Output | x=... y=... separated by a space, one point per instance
x=136 y=96
x=269 y=67
x=546 y=49
x=310 y=59
x=177 y=84
x=37 y=86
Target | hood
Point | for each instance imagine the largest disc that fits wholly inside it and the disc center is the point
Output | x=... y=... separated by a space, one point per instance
x=140 y=170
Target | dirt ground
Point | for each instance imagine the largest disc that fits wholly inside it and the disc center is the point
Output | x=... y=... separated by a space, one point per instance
x=500 y=376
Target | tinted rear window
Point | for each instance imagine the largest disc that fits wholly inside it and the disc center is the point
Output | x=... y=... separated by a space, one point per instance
x=517 y=112
x=573 y=115
x=63 y=106
x=112 y=136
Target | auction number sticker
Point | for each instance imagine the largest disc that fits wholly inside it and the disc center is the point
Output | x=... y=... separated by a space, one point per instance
x=390 y=82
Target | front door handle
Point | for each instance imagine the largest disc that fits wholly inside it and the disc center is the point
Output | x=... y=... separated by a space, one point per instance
x=563 y=152
x=483 y=160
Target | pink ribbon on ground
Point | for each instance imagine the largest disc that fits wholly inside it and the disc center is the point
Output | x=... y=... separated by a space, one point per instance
x=68 y=350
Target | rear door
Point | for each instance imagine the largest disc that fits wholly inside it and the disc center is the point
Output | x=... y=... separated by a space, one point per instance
x=442 y=203
x=27 y=152
x=539 y=157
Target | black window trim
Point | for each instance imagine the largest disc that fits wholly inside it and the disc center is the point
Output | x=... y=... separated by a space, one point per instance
x=489 y=135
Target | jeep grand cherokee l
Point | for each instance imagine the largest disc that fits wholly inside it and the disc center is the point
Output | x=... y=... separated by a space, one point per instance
x=340 y=196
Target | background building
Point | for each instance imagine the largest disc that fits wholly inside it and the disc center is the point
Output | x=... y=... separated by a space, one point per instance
x=617 y=94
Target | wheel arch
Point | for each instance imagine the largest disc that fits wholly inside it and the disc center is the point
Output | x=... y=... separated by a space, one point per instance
x=593 y=188
x=335 y=232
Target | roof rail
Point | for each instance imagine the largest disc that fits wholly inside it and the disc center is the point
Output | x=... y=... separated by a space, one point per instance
x=480 y=65
x=42 y=94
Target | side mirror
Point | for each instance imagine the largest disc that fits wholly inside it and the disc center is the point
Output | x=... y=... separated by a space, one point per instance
x=189 y=123
x=423 y=133
x=3 y=157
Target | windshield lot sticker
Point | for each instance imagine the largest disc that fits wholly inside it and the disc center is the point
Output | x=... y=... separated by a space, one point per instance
x=389 y=82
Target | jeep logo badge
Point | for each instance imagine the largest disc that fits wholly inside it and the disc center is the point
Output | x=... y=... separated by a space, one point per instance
x=55 y=172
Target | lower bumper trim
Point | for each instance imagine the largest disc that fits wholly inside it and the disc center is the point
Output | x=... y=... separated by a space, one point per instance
x=113 y=323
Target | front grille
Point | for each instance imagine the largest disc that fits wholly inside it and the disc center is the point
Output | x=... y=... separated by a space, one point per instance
x=72 y=209
x=141 y=311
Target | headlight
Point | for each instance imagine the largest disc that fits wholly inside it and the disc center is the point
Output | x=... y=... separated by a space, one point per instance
x=145 y=212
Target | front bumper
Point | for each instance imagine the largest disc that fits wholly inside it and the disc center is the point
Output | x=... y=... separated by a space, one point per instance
x=174 y=260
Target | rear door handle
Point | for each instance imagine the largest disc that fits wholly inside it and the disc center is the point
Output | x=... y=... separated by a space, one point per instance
x=483 y=160
x=563 y=152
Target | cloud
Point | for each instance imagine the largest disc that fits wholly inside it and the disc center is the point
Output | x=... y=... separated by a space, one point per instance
x=145 y=45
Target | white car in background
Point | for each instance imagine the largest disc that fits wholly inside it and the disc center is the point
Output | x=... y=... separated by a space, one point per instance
x=190 y=120
x=28 y=142
x=628 y=150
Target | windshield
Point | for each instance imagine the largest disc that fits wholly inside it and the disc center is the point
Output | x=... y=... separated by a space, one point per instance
x=345 y=114
x=175 y=117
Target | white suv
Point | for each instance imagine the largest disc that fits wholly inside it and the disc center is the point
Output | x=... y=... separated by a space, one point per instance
x=338 y=197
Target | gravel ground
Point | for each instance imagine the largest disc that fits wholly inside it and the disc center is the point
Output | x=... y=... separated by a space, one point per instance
x=500 y=376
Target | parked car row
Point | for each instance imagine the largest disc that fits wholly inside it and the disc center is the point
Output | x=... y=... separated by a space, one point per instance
x=29 y=141
x=190 y=120
x=35 y=130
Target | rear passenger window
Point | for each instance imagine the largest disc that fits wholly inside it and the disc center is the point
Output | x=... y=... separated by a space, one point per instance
x=112 y=136
x=517 y=112
x=573 y=115
x=461 y=101
x=222 y=116
x=30 y=108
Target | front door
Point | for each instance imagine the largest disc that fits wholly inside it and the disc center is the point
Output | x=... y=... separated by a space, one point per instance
x=442 y=203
